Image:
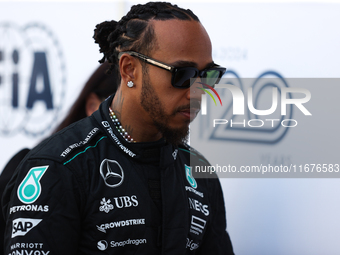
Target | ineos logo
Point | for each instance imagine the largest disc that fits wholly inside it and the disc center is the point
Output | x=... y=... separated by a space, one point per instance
x=112 y=173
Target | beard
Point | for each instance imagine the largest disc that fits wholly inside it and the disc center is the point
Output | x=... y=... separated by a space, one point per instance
x=152 y=105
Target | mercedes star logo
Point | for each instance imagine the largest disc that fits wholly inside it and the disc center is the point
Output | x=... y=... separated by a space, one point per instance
x=112 y=173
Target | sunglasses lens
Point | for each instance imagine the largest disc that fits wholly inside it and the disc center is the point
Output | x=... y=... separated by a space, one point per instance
x=213 y=74
x=182 y=77
x=212 y=77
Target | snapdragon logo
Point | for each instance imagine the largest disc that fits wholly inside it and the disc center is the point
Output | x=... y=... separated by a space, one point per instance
x=102 y=245
x=127 y=242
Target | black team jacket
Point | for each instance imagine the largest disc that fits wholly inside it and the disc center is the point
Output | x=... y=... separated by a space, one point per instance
x=86 y=190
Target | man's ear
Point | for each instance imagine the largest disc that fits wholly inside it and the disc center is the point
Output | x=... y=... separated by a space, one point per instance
x=92 y=104
x=128 y=68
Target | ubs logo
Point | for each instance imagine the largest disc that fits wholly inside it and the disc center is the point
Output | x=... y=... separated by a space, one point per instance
x=112 y=173
x=32 y=79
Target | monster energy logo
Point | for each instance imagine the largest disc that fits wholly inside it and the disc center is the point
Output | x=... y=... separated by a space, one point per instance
x=30 y=189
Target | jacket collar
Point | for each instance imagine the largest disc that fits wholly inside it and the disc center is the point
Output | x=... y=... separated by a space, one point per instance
x=158 y=152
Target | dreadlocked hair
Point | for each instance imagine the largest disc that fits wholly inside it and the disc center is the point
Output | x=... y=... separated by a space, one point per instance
x=133 y=31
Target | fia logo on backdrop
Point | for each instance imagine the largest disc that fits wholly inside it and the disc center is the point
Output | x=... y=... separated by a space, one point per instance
x=32 y=79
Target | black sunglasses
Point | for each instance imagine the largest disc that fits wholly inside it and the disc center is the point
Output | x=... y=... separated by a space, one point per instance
x=184 y=77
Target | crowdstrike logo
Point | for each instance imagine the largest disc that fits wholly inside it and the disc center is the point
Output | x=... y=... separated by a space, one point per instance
x=118 y=224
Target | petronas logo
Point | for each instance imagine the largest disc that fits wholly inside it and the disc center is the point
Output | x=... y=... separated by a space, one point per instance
x=30 y=189
x=190 y=178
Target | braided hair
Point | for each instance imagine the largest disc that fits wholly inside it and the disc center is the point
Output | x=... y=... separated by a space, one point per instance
x=133 y=31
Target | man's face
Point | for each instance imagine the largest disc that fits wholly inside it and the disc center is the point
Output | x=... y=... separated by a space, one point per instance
x=178 y=43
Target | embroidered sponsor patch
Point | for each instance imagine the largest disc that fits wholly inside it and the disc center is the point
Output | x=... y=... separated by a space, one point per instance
x=29 y=189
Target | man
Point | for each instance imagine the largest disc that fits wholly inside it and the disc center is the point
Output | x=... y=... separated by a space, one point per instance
x=120 y=181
